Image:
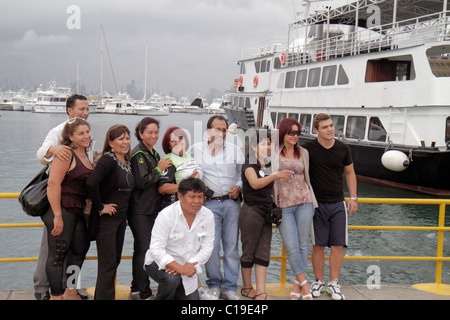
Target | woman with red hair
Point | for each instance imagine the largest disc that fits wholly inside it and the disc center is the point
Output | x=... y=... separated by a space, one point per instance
x=296 y=198
x=175 y=143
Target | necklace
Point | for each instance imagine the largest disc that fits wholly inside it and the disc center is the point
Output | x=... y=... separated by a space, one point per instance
x=124 y=166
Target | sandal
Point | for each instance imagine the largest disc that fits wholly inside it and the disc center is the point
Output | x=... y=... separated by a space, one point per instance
x=294 y=295
x=265 y=298
x=247 y=295
x=306 y=296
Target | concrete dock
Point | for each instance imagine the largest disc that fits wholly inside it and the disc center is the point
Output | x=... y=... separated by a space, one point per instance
x=351 y=292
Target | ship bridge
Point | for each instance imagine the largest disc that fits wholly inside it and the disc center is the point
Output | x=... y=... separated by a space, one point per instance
x=366 y=26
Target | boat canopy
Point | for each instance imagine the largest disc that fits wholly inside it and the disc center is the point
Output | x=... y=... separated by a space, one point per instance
x=357 y=12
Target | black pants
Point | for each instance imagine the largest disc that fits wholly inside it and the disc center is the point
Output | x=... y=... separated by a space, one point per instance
x=110 y=238
x=141 y=226
x=170 y=287
x=68 y=249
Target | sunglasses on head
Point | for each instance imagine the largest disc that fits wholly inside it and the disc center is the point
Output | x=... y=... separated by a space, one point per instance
x=293 y=133
x=72 y=120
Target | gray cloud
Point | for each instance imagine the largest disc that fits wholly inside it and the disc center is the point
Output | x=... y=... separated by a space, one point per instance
x=193 y=45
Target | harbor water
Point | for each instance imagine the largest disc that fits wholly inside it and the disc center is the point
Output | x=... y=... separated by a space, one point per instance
x=22 y=133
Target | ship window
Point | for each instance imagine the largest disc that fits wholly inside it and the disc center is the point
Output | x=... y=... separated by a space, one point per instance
x=268 y=66
x=392 y=69
x=273 y=116
x=290 y=79
x=356 y=127
x=293 y=116
x=342 y=76
x=338 y=123
x=281 y=117
x=241 y=102
x=242 y=71
x=277 y=63
x=376 y=130
x=263 y=66
x=439 y=60
x=300 y=80
x=305 y=120
x=247 y=103
x=447 y=130
x=314 y=77
x=329 y=75
x=257 y=66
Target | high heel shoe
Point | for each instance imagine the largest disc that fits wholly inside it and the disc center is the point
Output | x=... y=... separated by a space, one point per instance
x=295 y=296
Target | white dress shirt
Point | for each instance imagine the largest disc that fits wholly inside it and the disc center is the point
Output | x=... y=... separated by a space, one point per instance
x=53 y=138
x=173 y=240
x=221 y=171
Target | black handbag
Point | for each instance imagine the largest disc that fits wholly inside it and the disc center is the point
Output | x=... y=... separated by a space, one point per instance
x=33 y=197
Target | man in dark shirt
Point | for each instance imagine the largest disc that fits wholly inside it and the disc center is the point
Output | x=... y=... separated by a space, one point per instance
x=330 y=161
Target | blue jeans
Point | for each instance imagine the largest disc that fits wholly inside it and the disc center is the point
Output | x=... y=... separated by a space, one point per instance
x=226 y=215
x=294 y=229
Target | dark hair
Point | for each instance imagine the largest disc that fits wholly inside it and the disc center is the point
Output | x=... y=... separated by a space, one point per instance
x=70 y=128
x=320 y=117
x=70 y=102
x=283 y=128
x=191 y=184
x=166 y=139
x=253 y=140
x=217 y=116
x=140 y=127
x=113 y=133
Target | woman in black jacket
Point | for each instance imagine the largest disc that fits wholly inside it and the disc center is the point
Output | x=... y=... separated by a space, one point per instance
x=109 y=187
x=145 y=201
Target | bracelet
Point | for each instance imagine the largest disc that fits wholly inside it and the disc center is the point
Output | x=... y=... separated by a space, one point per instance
x=58 y=214
x=354 y=198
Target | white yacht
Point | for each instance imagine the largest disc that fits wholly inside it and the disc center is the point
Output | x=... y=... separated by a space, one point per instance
x=380 y=68
x=52 y=100
x=121 y=103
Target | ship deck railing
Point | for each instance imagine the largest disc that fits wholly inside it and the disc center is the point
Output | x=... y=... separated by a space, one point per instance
x=439 y=258
x=402 y=34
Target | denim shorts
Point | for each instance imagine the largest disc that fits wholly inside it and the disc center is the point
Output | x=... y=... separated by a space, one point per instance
x=330 y=225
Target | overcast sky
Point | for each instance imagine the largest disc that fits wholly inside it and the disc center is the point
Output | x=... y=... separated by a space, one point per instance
x=193 y=45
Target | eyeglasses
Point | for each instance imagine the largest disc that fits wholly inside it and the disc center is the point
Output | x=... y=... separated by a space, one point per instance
x=72 y=120
x=217 y=130
x=180 y=138
x=294 y=133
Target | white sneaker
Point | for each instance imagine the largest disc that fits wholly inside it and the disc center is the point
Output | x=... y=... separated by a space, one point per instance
x=205 y=295
x=213 y=293
x=317 y=288
x=230 y=295
x=334 y=289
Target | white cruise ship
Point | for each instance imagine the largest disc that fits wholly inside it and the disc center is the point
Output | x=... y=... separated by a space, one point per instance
x=380 y=68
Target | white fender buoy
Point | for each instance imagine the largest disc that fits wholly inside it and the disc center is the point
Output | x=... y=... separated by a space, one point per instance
x=395 y=160
x=233 y=128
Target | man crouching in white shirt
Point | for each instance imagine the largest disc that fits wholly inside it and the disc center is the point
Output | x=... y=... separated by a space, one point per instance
x=182 y=240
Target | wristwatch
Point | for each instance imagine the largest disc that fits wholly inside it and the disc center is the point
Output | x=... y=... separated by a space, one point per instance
x=354 y=198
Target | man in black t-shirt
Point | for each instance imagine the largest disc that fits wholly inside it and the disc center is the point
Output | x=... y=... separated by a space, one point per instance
x=330 y=161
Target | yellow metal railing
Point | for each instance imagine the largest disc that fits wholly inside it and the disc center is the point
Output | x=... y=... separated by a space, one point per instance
x=439 y=258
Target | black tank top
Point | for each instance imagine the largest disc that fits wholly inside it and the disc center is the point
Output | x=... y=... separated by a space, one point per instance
x=73 y=187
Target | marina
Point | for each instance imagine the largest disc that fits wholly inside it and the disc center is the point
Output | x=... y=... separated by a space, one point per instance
x=17 y=165
x=380 y=68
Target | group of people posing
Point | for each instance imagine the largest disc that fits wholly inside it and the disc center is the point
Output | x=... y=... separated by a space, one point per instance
x=185 y=210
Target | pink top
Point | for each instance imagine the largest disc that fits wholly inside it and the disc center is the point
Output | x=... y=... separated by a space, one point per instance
x=295 y=190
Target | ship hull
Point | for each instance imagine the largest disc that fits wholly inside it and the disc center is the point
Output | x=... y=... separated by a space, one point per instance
x=427 y=172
